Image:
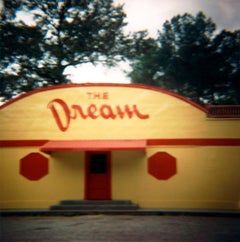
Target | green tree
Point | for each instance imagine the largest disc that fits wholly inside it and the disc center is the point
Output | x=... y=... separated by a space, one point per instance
x=191 y=59
x=64 y=33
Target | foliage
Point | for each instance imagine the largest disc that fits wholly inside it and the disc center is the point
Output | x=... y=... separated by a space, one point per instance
x=188 y=57
x=62 y=33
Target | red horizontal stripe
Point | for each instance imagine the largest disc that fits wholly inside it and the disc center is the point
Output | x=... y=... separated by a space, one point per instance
x=21 y=143
x=199 y=142
x=190 y=142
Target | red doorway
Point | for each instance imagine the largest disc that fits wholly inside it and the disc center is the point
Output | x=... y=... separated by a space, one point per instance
x=98 y=176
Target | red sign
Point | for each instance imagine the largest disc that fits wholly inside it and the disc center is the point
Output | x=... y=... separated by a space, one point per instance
x=64 y=113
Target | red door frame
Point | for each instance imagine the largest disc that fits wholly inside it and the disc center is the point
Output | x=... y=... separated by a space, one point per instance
x=107 y=176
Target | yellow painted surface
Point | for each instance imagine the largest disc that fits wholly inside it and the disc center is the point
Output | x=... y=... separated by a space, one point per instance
x=207 y=176
x=64 y=181
x=169 y=117
x=128 y=168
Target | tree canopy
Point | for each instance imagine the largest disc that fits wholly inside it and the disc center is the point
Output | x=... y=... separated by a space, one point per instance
x=63 y=33
x=190 y=58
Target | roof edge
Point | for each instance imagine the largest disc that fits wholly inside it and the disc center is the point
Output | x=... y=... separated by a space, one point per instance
x=73 y=85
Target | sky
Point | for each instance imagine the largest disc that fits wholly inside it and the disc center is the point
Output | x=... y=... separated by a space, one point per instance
x=150 y=15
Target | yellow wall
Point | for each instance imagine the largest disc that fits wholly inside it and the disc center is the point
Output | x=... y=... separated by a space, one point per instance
x=170 y=117
x=128 y=168
x=207 y=176
x=64 y=181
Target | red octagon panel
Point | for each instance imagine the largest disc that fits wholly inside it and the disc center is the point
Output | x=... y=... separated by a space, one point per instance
x=162 y=165
x=34 y=166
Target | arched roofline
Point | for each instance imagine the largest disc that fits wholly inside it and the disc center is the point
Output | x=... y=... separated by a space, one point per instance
x=72 y=85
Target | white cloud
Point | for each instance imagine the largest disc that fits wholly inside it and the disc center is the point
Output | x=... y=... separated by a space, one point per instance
x=151 y=14
x=90 y=73
x=224 y=12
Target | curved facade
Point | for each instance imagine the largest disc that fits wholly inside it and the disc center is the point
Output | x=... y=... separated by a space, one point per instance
x=117 y=141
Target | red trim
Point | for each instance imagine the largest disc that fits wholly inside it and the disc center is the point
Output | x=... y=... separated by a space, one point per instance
x=223 y=111
x=22 y=143
x=197 y=142
x=149 y=142
x=93 y=145
x=140 y=86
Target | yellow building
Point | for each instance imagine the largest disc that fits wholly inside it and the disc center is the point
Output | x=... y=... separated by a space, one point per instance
x=118 y=141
